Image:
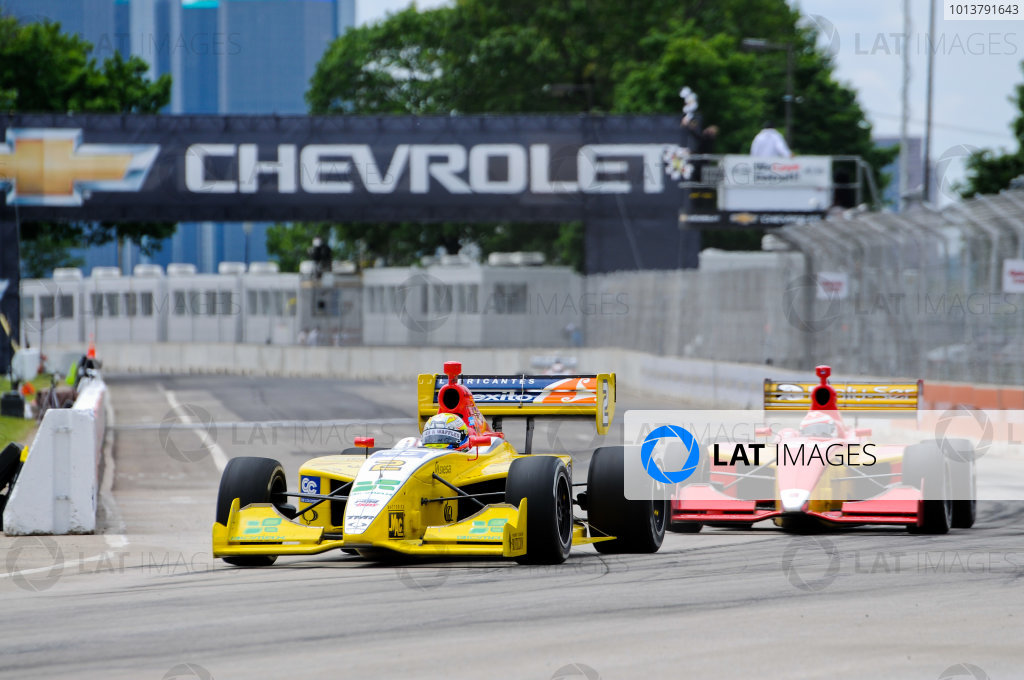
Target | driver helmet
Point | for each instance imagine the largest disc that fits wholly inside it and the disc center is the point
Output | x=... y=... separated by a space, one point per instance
x=818 y=425
x=445 y=431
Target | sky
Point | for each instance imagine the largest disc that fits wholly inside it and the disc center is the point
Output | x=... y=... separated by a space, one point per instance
x=977 y=64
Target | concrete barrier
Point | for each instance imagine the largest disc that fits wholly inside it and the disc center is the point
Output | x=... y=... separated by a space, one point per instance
x=58 y=485
x=692 y=381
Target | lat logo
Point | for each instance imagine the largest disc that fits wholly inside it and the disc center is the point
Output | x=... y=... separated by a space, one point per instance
x=52 y=167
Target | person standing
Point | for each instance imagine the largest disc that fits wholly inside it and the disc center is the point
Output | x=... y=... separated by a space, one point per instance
x=769 y=143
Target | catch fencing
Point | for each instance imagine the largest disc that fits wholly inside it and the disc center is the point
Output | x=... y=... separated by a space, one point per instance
x=915 y=294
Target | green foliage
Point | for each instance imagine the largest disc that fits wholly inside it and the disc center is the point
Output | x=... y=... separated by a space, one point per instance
x=47 y=245
x=43 y=248
x=45 y=70
x=988 y=171
x=288 y=243
x=484 y=56
x=404 y=243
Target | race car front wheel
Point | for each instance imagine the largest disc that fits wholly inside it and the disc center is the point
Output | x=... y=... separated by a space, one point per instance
x=637 y=525
x=925 y=467
x=250 y=480
x=545 y=483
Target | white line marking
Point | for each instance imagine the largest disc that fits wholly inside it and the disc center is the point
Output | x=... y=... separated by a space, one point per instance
x=60 y=565
x=217 y=454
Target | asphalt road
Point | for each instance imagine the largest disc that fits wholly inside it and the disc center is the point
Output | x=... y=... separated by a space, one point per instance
x=146 y=600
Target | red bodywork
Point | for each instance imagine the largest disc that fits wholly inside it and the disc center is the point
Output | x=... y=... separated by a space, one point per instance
x=713 y=503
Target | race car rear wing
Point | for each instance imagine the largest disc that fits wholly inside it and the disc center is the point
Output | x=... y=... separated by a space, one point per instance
x=850 y=396
x=528 y=396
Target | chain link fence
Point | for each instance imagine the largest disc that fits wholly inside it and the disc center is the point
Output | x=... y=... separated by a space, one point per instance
x=916 y=294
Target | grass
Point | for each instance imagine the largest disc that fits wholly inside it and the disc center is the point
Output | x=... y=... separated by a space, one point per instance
x=19 y=429
x=16 y=430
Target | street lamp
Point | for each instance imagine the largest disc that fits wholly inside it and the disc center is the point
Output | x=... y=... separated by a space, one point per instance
x=762 y=45
x=247 y=230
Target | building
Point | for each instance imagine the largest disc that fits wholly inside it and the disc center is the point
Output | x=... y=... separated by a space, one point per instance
x=224 y=56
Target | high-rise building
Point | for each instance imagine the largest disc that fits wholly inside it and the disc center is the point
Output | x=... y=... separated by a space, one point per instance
x=224 y=56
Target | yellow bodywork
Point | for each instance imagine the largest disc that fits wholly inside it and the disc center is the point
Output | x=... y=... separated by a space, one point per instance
x=422 y=516
x=403 y=500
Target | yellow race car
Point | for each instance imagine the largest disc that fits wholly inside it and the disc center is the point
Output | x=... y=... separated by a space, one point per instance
x=458 y=489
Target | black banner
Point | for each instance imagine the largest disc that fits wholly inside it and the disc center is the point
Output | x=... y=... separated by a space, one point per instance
x=353 y=168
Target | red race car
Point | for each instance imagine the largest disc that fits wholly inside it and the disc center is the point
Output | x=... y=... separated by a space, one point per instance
x=928 y=487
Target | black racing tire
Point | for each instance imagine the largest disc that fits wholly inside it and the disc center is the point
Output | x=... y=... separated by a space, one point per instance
x=926 y=468
x=960 y=457
x=10 y=464
x=250 y=480
x=545 y=483
x=638 y=525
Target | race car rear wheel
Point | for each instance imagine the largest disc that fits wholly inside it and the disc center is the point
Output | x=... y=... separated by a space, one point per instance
x=960 y=456
x=545 y=483
x=250 y=480
x=638 y=525
x=925 y=467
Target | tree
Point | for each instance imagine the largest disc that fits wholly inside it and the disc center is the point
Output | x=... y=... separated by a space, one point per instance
x=43 y=69
x=483 y=56
x=988 y=171
x=289 y=243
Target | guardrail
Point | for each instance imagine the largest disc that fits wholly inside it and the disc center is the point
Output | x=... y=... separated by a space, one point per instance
x=57 y=487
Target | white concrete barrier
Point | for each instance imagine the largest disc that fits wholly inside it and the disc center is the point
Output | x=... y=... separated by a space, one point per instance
x=692 y=381
x=57 y=488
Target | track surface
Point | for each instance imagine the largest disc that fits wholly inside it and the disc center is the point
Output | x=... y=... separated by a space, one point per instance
x=146 y=598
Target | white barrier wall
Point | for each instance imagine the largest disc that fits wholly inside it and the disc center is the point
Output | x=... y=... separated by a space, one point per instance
x=57 y=488
x=726 y=385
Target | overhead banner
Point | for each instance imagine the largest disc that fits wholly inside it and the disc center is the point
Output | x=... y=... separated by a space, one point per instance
x=358 y=168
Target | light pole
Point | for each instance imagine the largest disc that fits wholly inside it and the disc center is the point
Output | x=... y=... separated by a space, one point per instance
x=247 y=230
x=762 y=45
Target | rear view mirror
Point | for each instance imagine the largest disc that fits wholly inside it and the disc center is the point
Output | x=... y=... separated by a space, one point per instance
x=476 y=441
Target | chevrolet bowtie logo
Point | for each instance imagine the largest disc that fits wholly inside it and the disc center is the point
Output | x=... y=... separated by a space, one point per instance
x=51 y=166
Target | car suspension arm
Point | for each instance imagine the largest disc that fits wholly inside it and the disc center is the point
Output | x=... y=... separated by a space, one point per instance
x=332 y=496
x=462 y=494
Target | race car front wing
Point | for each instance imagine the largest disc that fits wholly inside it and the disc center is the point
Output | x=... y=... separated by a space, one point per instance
x=704 y=503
